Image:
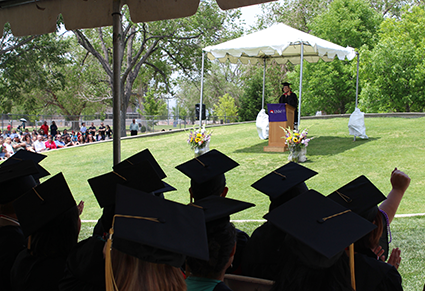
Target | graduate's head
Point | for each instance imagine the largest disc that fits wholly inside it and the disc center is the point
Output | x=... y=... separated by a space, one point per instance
x=207 y=174
x=221 y=246
x=215 y=187
x=158 y=256
x=284 y=183
x=286 y=87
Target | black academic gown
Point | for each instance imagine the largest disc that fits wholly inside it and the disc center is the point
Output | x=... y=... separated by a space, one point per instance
x=85 y=267
x=291 y=100
x=263 y=255
x=31 y=273
x=12 y=242
x=375 y=275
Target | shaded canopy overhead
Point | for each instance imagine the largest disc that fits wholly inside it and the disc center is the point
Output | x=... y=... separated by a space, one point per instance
x=29 y=17
x=280 y=43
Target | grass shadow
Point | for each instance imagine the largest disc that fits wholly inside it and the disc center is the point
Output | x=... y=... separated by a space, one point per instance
x=331 y=145
x=321 y=146
x=255 y=149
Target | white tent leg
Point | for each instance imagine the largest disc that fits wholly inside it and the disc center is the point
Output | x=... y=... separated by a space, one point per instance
x=202 y=90
x=301 y=85
x=264 y=82
x=357 y=80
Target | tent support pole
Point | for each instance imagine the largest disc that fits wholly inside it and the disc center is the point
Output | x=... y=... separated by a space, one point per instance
x=301 y=85
x=264 y=82
x=357 y=78
x=202 y=90
x=116 y=18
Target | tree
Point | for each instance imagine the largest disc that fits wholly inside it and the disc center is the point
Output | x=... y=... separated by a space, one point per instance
x=226 y=108
x=220 y=79
x=330 y=87
x=394 y=74
x=164 y=46
x=295 y=13
x=153 y=107
x=251 y=99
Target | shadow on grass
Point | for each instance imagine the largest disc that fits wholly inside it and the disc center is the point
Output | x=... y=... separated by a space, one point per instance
x=322 y=146
x=331 y=145
x=255 y=149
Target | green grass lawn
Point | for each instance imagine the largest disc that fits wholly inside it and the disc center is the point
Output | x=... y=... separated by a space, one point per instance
x=393 y=142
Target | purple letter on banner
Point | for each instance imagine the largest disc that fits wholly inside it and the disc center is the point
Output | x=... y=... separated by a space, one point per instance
x=277 y=112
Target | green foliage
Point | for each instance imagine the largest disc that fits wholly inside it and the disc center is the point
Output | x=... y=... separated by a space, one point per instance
x=153 y=106
x=394 y=74
x=251 y=99
x=331 y=87
x=226 y=108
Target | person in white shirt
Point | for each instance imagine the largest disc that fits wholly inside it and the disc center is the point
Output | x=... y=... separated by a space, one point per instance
x=39 y=145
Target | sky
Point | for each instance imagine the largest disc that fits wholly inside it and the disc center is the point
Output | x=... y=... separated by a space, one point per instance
x=249 y=14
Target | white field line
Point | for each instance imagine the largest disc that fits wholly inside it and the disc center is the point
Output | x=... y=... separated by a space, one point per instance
x=263 y=220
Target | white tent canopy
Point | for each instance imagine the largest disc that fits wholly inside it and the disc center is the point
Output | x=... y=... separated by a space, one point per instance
x=280 y=43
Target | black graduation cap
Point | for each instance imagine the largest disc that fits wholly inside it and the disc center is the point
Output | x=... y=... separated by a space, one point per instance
x=216 y=207
x=207 y=166
x=140 y=176
x=16 y=179
x=142 y=156
x=283 y=179
x=43 y=203
x=360 y=195
x=28 y=155
x=286 y=84
x=158 y=230
x=320 y=223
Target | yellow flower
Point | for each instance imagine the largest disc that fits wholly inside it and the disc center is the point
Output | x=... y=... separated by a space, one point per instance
x=197 y=140
x=199 y=135
x=295 y=139
x=191 y=139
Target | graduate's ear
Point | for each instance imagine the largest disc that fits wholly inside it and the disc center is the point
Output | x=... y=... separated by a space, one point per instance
x=224 y=193
x=233 y=251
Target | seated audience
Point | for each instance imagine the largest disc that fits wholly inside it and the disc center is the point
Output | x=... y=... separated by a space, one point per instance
x=58 y=141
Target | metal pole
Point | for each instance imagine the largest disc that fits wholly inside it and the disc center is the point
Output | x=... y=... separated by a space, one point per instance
x=116 y=18
x=357 y=79
x=264 y=82
x=301 y=85
x=202 y=89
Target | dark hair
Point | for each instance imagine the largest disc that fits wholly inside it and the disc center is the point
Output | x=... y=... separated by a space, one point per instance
x=57 y=237
x=214 y=186
x=371 y=240
x=221 y=241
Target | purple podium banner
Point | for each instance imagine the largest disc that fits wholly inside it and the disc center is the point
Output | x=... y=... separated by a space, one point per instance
x=277 y=112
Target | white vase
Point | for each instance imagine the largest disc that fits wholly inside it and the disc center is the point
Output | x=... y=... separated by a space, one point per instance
x=203 y=150
x=303 y=155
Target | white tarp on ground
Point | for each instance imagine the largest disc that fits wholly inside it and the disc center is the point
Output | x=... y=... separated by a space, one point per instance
x=280 y=43
x=356 y=124
x=262 y=124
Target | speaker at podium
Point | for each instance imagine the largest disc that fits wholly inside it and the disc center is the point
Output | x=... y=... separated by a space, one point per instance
x=280 y=115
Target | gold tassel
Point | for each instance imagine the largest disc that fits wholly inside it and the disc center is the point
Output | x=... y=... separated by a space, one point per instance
x=29 y=243
x=110 y=283
x=352 y=271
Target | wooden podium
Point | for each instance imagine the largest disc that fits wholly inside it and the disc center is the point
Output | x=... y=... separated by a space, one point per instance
x=276 y=142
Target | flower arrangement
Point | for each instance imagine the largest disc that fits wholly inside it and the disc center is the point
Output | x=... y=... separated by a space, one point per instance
x=297 y=143
x=199 y=138
x=293 y=138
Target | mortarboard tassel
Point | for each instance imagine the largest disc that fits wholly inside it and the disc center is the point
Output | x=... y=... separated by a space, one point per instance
x=352 y=271
x=110 y=283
